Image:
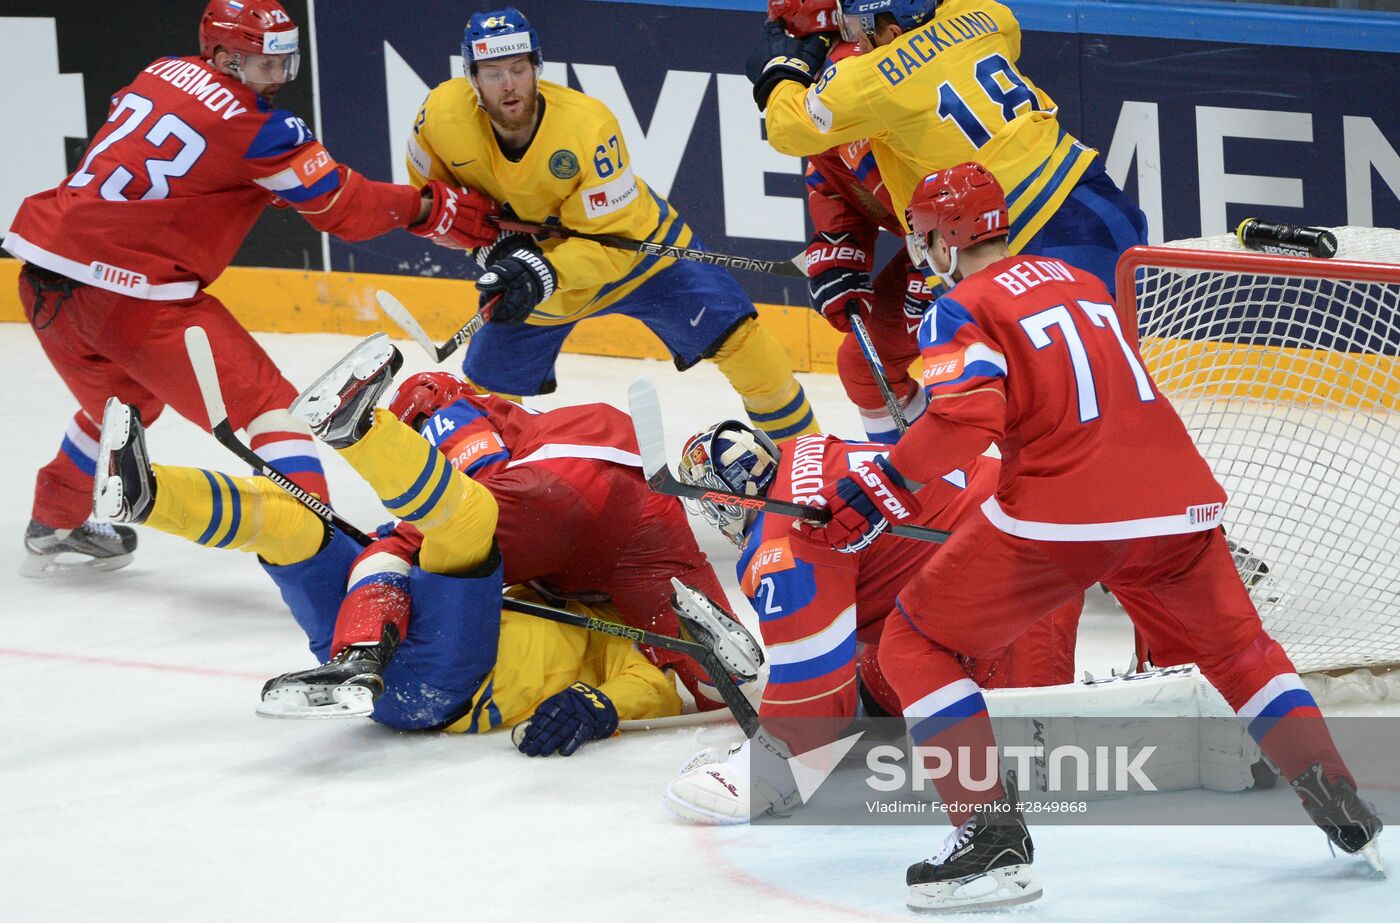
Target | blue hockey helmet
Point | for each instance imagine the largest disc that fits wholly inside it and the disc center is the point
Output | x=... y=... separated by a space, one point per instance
x=857 y=17
x=732 y=458
x=499 y=34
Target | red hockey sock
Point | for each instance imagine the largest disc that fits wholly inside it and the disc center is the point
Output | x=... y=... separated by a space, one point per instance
x=293 y=454
x=377 y=596
x=1262 y=686
x=947 y=717
x=63 y=489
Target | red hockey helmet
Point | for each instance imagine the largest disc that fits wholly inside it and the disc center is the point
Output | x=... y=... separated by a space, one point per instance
x=252 y=29
x=804 y=17
x=965 y=204
x=422 y=395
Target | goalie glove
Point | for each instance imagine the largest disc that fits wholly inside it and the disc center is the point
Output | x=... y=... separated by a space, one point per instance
x=702 y=620
x=456 y=217
x=779 y=56
x=838 y=277
x=863 y=504
x=566 y=721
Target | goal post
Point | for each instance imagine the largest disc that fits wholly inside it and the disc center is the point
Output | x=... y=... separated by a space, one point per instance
x=1286 y=372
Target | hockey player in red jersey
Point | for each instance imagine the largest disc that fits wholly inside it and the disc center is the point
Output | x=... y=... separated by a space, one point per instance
x=1100 y=482
x=576 y=518
x=849 y=205
x=817 y=608
x=117 y=256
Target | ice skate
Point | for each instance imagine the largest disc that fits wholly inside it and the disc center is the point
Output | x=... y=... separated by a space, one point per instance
x=1349 y=821
x=985 y=864
x=93 y=546
x=338 y=405
x=344 y=687
x=707 y=623
x=722 y=787
x=124 y=489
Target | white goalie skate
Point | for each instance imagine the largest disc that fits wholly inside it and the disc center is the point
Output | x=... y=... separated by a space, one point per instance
x=720 y=787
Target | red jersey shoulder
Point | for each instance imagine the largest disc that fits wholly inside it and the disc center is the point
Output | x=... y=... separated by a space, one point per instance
x=248 y=139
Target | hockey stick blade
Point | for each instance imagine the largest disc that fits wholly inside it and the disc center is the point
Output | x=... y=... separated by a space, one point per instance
x=202 y=361
x=409 y=324
x=645 y=407
x=207 y=375
x=397 y=313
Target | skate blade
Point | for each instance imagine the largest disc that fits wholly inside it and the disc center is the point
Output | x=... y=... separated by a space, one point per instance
x=736 y=648
x=304 y=702
x=1371 y=852
x=315 y=405
x=1004 y=887
x=116 y=431
x=68 y=564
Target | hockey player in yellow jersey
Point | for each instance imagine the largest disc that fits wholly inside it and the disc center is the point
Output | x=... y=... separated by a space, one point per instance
x=547 y=153
x=936 y=85
x=412 y=626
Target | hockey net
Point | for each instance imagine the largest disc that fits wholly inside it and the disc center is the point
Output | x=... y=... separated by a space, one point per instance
x=1287 y=374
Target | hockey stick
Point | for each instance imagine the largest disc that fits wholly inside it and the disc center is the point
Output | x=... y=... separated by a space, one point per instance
x=877 y=368
x=409 y=324
x=695 y=255
x=645 y=407
x=202 y=360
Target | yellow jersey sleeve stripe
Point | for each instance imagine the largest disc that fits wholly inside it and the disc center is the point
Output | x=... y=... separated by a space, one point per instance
x=1032 y=203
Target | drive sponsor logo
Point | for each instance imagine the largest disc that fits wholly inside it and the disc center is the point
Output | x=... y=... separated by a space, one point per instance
x=474 y=448
x=943 y=368
x=114 y=277
x=612 y=196
x=773 y=556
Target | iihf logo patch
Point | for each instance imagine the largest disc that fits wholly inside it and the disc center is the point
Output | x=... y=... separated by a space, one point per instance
x=563 y=164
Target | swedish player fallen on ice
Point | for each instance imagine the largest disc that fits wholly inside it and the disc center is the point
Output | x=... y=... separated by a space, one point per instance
x=118 y=255
x=575 y=517
x=1100 y=483
x=412 y=624
x=547 y=153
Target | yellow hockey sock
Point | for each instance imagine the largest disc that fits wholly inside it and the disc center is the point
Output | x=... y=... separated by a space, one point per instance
x=456 y=515
x=244 y=513
x=760 y=370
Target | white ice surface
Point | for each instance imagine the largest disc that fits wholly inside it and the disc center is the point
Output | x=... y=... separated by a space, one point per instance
x=136 y=784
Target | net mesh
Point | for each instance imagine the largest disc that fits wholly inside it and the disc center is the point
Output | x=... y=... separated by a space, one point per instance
x=1291 y=388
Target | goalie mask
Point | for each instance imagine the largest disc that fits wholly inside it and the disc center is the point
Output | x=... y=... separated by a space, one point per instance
x=733 y=458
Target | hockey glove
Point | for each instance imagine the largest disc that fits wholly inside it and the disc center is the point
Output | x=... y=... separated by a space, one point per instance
x=838 y=278
x=779 y=56
x=522 y=277
x=457 y=217
x=919 y=293
x=567 y=720
x=863 y=504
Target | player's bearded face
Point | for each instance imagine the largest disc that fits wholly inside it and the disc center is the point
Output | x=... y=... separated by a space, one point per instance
x=509 y=91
